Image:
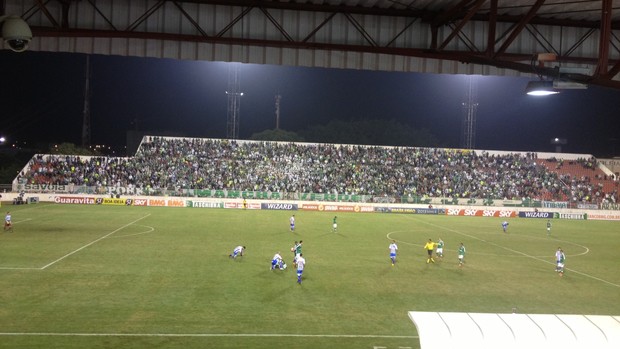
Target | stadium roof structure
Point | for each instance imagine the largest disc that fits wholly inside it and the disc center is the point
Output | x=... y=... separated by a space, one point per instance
x=487 y=37
x=515 y=331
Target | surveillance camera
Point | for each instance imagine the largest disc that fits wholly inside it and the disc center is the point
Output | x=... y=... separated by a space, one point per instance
x=16 y=33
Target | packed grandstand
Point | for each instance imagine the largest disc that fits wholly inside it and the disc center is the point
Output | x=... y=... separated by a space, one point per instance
x=190 y=166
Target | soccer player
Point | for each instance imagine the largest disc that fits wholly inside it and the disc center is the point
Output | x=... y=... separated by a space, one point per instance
x=430 y=247
x=298 y=248
x=548 y=227
x=505 y=226
x=8 y=224
x=301 y=264
x=393 y=248
x=292 y=222
x=335 y=225
x=439 y=251
x=294 y=249
x=461 y=255
x=560 y=257
x=276 y=261
x=238 y=251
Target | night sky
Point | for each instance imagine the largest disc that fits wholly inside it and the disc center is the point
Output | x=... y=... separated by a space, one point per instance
x=42 y=101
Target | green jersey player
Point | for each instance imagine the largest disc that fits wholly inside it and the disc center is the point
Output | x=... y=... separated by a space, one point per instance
x=461 y=255
x=439 y=249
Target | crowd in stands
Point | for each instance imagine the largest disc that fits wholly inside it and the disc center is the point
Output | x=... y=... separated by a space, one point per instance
x=184 y=163
x=584 y=183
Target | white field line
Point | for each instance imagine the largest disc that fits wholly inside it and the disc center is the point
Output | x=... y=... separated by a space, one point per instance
x=149 y=230
x=519 y=252
x=58 y=334
x=23 y=220
x=92 y=242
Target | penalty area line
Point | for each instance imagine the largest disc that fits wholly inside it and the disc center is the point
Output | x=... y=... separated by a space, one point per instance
x=93 y=242
x=57 y=334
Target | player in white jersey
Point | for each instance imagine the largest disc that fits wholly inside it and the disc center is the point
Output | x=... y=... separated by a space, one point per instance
x=8 y=224
x=277 y=262
x=558 y=259
x=292 y=223
x=393 y=248
x=238 y=251
x=301 y=264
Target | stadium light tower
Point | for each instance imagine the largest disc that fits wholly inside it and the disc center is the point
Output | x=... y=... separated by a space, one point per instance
x=278 y=98
x=468 y=137
x=234 y=102
x=86 y=110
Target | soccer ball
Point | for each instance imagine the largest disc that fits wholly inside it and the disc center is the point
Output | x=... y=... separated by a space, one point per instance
x=292 y=249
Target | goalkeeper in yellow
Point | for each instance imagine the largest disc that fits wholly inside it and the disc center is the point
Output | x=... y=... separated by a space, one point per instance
x=430 y=248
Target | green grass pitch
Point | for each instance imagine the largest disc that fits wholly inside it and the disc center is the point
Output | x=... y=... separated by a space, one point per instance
x=138 y=277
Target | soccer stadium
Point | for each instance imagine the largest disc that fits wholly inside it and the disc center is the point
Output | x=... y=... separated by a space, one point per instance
x=201 y=242
x=140 y=249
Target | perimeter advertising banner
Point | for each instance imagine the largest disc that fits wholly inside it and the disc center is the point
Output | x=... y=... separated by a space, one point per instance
x=204 y=204
x=249 y=205
x=579 y=216
x=140 y=202
x=75 y=200
x=604 y=216
x=114 y=201
x=411 y=210
x=480 y=213
x=545 y=215
x=166 y=202
x=278 y=206
x=337 y=208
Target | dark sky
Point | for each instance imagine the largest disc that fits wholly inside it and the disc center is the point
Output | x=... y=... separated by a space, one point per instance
x=42 y=100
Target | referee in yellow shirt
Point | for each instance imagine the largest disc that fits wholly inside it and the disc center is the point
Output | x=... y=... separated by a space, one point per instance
x=430 y=247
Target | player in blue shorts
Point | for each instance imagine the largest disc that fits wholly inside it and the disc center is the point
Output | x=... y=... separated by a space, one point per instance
x=393 y=248
x=301 y=264
x=277 y=262
x=238 y=251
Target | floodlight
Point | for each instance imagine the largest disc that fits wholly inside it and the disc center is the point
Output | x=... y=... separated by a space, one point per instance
x=540 y=88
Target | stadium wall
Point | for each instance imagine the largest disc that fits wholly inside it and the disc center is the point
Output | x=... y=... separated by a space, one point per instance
x=292 y=205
